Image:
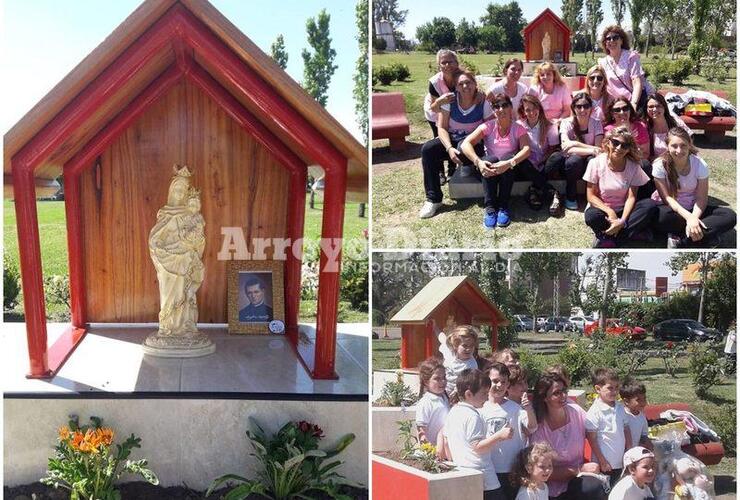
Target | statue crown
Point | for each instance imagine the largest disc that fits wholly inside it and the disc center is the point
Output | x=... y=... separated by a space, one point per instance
x=182 y=172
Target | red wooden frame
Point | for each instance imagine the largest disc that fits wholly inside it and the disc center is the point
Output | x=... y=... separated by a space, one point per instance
x=182 y=28
x=564 y=28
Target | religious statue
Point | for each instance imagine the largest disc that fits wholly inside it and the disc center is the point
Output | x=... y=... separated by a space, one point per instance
x=546 y=47
x=176 y=245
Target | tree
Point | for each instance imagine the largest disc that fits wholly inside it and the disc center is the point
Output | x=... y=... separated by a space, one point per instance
x=361 y=72
x=618 y=7
x=511 y=19
x=637 y=12
x=673 y=26
x=594 y=16
x=387 y=10
x=278 y=52
x=601 y=293
x=722 y=293
x=705 y=261
x=572 y=14
x=653 y=11
x=535 y=267
x=437 y=34
x=698 y=46
x=491 y=38
x=318 y=67
x=466 y=34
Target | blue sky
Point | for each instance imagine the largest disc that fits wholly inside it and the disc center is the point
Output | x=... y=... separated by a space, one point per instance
x=42 y=40
x=422 y=11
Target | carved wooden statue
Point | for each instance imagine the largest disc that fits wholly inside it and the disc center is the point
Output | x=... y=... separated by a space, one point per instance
x=176 y=245
x=546 y=47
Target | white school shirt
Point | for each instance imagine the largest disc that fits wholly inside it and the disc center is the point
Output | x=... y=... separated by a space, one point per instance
x=503 y=453
x=453 y=366
x=431 y=412
x=463 y=426
x=608 y=422
x=530 y=494
x=638 y=425
x=627 y=489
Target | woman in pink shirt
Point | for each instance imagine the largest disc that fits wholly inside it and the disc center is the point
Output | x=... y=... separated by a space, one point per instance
x=620 y=113
x=612 y=178
x=624 y=72
x=659 y=122
x=507 y=145
x=596 y=90
x=682 y=182
x=561 y=424
x=552 y=92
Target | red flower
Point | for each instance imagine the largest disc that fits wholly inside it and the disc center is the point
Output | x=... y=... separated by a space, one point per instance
x=317 y=432
x=669 y=345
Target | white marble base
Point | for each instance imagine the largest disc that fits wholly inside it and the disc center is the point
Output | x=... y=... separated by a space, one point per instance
x=176 y=351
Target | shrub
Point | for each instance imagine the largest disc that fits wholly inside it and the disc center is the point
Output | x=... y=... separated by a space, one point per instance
x=470 y=65
x=714 y=69
x=680 y=70
x=379 y=44
x=401 y=71
x=704 y=366
x=586 y=64
x=533 y=363
x=56 y=290
x=354 y=283
x=507 y=337
x=397 y=393
x=11 y=283
x=309 y=280
x=576 y=358
x=86 y=464
x=661 y=71
x=386 y=75
x=723 y=421
x=375 y=78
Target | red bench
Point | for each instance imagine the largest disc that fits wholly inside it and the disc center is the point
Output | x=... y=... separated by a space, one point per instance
x=389 y=119
x=714 y=127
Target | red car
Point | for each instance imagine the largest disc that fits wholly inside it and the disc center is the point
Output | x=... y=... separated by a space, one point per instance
x=616 y=326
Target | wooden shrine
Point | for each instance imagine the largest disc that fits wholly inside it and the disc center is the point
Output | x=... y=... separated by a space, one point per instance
x=547 y=38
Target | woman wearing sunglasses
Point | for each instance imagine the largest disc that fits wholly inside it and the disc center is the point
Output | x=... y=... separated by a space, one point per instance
x=510 y=84
x=580 y=137
x=659 y=122
x=614 y=213
x=682 y=182
x=552 y=92
x=596 y=90
x=624 y=72
x=454 y=123
x=507 y=146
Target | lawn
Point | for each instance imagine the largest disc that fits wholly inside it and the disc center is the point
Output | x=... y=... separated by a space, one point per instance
x=398 y=183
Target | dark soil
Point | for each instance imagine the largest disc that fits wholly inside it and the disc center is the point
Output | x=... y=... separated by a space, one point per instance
x=146 y=491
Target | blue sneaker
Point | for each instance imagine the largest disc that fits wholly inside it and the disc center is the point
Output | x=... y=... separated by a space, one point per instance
x=571 y=204
x=489 y=219
x=503 y=219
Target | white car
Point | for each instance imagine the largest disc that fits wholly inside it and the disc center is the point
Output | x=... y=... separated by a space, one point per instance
x=578 y=321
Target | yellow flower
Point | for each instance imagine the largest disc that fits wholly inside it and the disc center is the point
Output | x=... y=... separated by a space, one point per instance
x=64 y=433
x=428 y=448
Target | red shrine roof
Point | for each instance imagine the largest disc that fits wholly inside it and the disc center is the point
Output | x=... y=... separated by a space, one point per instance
x=546 y=14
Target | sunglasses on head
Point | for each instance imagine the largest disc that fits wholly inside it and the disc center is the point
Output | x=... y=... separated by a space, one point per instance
x=582 y=106
x=596 y=78
x=623 y=109
x=612 y=38
x=501 y=105
x=617 y=144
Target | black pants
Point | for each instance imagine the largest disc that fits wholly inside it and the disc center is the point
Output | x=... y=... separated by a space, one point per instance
x=497 y=189
x=717 y=219
x=582 y=488
x=433 y=155
x=572 y=167
x=641 y=217
x=507 y=488
x=646 y=190
x=614 y=476
x=435 y=131
x=494 y=495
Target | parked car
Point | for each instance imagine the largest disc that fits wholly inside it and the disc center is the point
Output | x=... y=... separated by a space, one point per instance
x=555 y=324
x=577 y=323
x=615 y=326
x=523 y=323
x=684 y=329
x=541 y=320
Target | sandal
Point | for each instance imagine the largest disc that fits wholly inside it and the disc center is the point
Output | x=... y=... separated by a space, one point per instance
x=556 y=207
x=534 y=200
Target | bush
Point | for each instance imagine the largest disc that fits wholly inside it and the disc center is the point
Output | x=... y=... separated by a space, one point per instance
x=379 y=44
x=11 y=283
x=661 y=71
x=397 y=393
x=386 y=75
x=354 y=283
x=576 y=358
x=586 y=64
x=507 y=337
x=714 y=69
x=375 y=78
x=680 y=70
x=401 y=71
x=470 y=65
x=56 y=290
x=581 y=355
x=723 y=421
x=704 y=366
x=533 y=363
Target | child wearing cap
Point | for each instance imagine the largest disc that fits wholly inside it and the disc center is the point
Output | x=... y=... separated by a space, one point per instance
x=639 y=462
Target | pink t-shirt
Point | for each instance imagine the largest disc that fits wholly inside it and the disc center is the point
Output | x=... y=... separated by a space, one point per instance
x=537 y=151
x=619 y=74
x=686 y=195
x=557 y=104
x=639 y=131
x=597 y=109
x=568 y=133
x=567 y=441
x=613 y=186
x=502 y=147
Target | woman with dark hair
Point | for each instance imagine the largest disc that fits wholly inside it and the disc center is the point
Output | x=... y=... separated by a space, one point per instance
x=682 y=182
x=455 y=122
x=507 y=145
x=580 y=138
x=544 y=155
x=612 y=179
x=620 y=113
x=596 y=90
x=659 y=122
x=562 y=424
x=510 y=84
x=624 y=72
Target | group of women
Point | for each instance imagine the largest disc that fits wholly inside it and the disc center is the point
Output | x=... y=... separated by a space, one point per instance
x=617 y=134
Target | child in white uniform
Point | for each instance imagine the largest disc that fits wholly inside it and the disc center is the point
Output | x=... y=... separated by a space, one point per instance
x=458 y=350
x=639 y=462
x=533 y=469
x=633 y=395
x=433 y=405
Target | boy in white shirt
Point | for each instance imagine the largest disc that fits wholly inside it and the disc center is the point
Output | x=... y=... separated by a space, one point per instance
x=634 y=398
x=606 y=425
x=639 y=462
x=465 y=431
x=458 y=350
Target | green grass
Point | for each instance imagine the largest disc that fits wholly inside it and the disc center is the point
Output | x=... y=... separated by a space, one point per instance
x=398 y=181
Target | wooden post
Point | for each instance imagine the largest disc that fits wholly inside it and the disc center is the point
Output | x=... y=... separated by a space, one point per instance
x=429 y=345
x=494 y=336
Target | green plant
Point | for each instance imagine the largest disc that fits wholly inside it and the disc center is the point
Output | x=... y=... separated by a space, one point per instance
x=533 y=363
x=723 y=421
x=715 y=69
x=379 y=44
x=585 y=65
x=423 y=453
x=704 y=367
x=11 y=283
x=680 y=70
x=354 y=283
x=85 y=463
x=292 y=465
x=661 y=71
x=375 y=78
x=56 y=289
x=470 y=65
x=576 y=358
x=386 y=75
x=669 y=353
x=401 y=71
x=397 y=393
x=507 y=336
x=407 y=437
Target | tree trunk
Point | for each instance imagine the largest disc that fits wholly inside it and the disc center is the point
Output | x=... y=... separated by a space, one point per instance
x=311 y=200
x=704 y=259
x=607 y=292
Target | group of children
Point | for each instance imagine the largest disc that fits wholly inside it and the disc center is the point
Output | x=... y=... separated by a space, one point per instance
x=478 y=413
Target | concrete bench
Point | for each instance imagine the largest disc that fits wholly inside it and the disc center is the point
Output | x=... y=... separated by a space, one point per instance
x=714 y=127
x=389 y=119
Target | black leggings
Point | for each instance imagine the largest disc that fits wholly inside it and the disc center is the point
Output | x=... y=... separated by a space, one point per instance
x=572 y=167
x=538 y=178
x=497 y=189
x=641 y=217
x=646 y=190
x=433 y=155
x=717 y=219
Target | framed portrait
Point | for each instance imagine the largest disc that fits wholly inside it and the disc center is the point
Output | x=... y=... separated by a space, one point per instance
x=256 y=297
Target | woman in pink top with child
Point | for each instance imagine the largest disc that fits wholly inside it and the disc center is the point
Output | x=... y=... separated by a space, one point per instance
x=624 y=72
x=548 y=86
x=612 y=178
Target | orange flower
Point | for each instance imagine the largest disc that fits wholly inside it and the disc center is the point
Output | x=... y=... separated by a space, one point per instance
x=106 y=435
x=64 y=433
x=77 y=439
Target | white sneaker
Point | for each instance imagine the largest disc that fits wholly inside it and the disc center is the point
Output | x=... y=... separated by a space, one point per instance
x=429 y=209
x=673 y=241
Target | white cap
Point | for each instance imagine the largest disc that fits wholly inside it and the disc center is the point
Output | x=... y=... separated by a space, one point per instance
x=634 y=455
